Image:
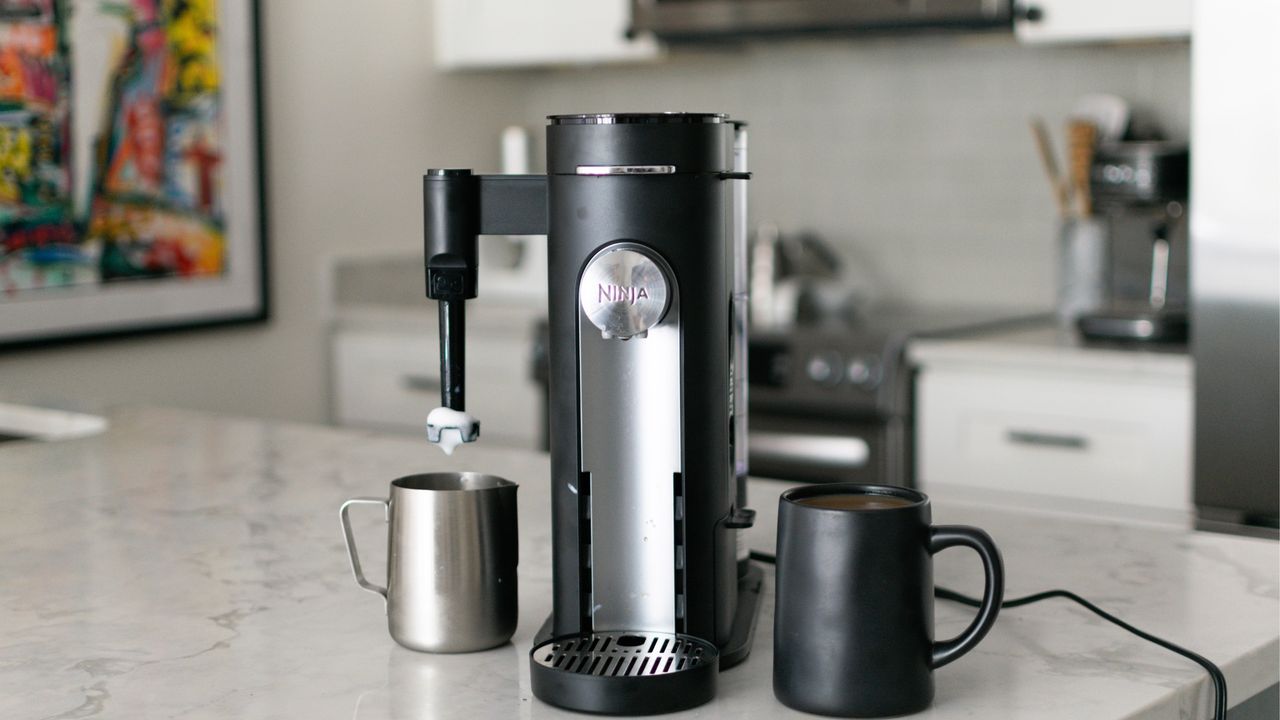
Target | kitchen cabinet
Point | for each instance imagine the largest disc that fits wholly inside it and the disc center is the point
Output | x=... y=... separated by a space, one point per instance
x=1026 y=412
x=1067 y=21
x=514 y=33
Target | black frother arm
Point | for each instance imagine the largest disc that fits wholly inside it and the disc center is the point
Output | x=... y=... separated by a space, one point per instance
x=451 y=206
x=453 y=355
x=458 y=206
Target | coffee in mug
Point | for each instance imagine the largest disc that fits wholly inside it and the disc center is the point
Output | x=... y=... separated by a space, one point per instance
x=852 y=501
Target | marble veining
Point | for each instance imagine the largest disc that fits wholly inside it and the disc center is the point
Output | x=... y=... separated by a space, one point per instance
x=188 y=565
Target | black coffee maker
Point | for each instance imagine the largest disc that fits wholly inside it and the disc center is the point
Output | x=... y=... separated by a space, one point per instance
x=645 y=221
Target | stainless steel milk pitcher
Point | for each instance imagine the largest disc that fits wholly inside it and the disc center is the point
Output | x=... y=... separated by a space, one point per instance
x=451 y=560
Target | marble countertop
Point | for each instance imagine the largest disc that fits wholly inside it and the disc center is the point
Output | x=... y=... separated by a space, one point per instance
x=190 y=565
x=1051 y=347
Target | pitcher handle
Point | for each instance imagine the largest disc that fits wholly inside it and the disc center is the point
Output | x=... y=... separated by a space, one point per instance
x=945 y=536
x=351 y=540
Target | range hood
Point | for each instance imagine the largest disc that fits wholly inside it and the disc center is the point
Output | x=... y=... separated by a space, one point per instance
x=694 y=20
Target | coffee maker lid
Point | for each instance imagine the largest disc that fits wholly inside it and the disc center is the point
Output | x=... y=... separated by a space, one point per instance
x=684 y=118
x=679 y=142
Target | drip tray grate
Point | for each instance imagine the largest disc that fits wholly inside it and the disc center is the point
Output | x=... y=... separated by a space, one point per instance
x=625 y=672
x=624 y=654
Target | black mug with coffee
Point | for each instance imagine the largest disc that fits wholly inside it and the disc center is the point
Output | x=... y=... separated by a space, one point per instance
x=853 y=623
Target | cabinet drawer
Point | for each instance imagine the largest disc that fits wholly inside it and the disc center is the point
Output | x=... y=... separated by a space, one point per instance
x=1075 y=21
x=392 y=380
x=1084 y=437
x=472 y=34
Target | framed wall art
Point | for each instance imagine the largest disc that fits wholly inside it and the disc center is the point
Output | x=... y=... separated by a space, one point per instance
x=130 y=167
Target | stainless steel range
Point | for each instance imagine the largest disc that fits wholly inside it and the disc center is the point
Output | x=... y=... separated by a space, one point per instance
x=833 y=401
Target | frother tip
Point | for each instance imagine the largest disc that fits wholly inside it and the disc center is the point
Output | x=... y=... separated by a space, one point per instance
x=448 y=428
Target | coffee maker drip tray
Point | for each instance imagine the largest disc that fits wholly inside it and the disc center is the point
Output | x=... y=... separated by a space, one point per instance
x=625 y=673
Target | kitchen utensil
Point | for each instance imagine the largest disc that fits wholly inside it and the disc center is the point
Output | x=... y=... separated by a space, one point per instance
x=795 y=279
x=1048 y=160
x=451 y=560
x=1082 y=135
x=763 y=273
x=1109 y=114
x=1082 y=267
x=647 y=294
x=853 y=622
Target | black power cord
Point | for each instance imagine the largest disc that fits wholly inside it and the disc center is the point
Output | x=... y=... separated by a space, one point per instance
x=1215 y=674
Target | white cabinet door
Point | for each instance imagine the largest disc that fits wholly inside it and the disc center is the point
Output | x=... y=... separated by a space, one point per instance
x=1088 y=437
x=511 y=33
x=1102 y=20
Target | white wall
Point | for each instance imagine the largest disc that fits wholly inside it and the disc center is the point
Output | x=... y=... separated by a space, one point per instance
x=912 y=155
x=354 y=115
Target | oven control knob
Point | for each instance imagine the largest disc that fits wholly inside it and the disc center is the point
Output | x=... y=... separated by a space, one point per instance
x=825 y=368
x=864 y=372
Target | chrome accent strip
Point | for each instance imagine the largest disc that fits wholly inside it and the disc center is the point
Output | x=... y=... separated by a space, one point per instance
x=630 y=423
x=738 y=330
x=626 y=169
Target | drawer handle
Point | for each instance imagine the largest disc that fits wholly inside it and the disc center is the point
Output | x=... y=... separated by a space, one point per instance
x=421 y=383
x=1042 y=439
x=827 y=451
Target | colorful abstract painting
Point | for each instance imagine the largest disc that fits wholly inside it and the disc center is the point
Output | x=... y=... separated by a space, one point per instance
x=113 y=145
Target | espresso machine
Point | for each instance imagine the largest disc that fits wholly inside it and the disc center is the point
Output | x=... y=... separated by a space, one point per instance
x=645 y=219
x=1140 y=189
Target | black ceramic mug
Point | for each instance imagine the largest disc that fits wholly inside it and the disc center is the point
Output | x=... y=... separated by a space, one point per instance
x=853 y=623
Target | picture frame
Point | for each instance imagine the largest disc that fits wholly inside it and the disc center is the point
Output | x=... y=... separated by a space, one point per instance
x=152 y=214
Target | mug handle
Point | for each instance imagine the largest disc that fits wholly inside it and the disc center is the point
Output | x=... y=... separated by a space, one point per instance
x=942 y=537
x=351 y=540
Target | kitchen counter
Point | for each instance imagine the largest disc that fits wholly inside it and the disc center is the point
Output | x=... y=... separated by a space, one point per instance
x=191 y=565
x=1050 y=348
